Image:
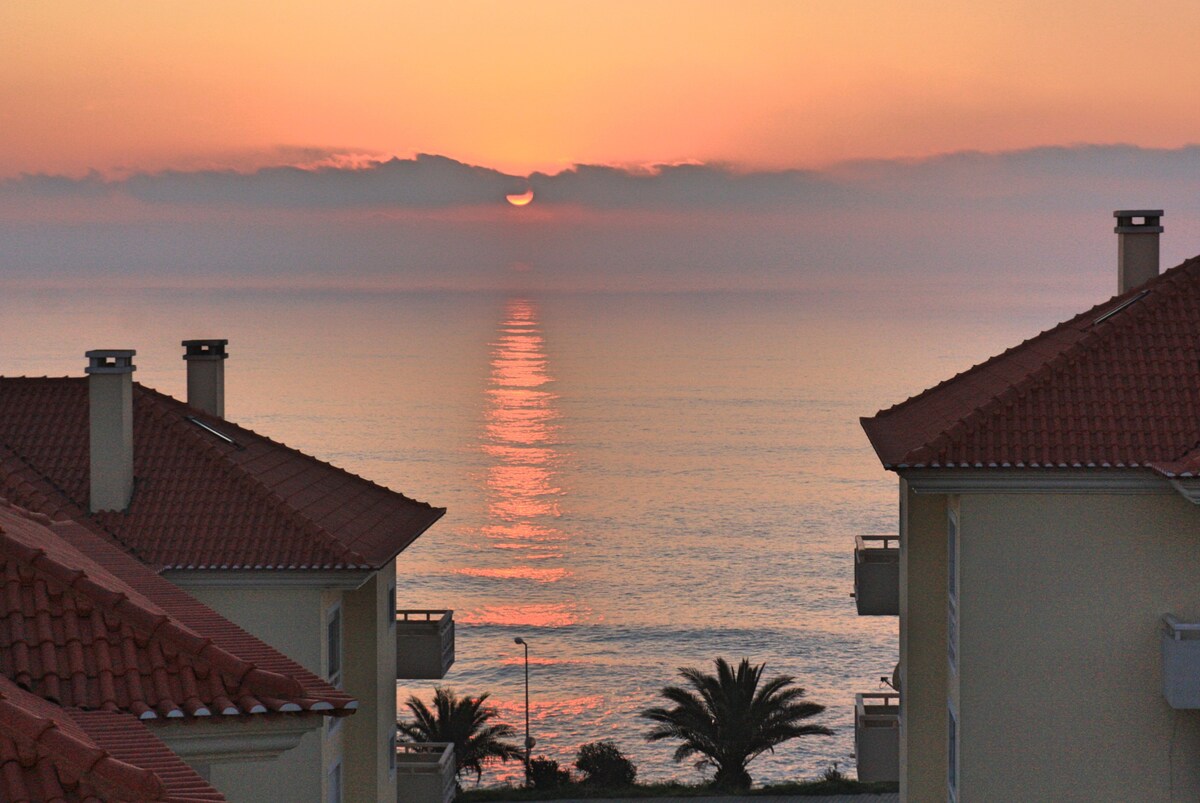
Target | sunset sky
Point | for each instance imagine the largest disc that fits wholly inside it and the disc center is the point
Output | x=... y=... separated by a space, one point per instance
x=542 y=85
x=669 y=144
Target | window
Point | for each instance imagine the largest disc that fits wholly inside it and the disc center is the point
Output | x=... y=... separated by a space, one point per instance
x=390 y=613
x=952 y=595
x=952 y=755
x=333 y=634
x=392 y=756
x=335 y=784
x=952 y=553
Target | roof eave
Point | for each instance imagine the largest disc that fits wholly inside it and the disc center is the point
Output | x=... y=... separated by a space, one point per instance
x=436 y=514
x=1031 y=480
x=870 y=425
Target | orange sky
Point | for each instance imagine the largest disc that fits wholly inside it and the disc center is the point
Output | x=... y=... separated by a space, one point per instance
x=539 y=85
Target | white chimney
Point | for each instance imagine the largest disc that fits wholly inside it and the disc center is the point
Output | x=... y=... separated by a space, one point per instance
x=110 y=406
x=206 y=375
x=1137 y=246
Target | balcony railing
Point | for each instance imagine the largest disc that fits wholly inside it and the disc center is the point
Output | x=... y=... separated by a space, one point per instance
x=877 y=575
x=1181 y=662
x=877 y=736
x=425 y=772
x=424 y=644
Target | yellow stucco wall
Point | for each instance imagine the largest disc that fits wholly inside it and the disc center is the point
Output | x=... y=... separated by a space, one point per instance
x=922 y=646
x=371 y=678
x=1059 y=683
x=291 y=777
x=291 y=620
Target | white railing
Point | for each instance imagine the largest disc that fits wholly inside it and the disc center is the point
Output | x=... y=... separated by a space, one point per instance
x=877 y=709
x=1178 y=630
x=423 y=615
x=885 y=548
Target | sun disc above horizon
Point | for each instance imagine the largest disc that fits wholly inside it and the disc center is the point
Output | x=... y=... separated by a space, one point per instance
x=521 y=198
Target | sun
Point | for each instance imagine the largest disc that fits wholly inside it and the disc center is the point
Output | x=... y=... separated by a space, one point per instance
x=521 y=199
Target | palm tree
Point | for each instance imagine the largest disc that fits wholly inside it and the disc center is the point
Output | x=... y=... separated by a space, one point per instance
x=729 y=719
x=463 y=721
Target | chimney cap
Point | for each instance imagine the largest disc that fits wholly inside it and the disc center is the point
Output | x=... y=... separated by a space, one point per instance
x=210 y=349
x=1150 y=221
x=110 y=361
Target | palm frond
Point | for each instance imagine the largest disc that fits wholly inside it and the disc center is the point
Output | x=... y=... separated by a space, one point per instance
x=466 y=722
x=731 y=716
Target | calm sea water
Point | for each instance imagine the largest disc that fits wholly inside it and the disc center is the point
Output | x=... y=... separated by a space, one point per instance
x=634 y=483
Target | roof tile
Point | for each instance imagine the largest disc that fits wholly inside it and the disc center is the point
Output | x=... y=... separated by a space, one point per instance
x=86 y=625
x=48 y=753
x=1122 y=390
x=199 y=502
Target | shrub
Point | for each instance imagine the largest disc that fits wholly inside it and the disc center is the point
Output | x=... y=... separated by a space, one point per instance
x=833 y=774
x=544 y=773
x=603 y=764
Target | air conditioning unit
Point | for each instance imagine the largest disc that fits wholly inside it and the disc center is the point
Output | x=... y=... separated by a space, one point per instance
x=1181 y=662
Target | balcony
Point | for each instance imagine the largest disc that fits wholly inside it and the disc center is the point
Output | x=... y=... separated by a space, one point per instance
x=1181 y=662
x=425 y=772
x=424 y=644
x=877 y=736
x=877 y=575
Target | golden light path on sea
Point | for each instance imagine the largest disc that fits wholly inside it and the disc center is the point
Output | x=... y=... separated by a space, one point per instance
x=520 y=436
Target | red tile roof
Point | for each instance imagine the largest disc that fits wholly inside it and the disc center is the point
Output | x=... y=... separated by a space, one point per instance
x=85 y=625
x=50 y=754
x=199 y=501
x=126 y=739
x=1115 y=387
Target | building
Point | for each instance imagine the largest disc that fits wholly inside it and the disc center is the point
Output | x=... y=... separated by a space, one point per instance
x=1048 y=563
x=111 y=677
x=285 y=549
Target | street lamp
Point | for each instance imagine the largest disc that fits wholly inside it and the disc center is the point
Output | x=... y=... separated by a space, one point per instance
x=529 y=741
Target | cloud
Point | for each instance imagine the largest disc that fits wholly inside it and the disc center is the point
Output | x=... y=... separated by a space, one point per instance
x=323 y=179
x=37 y=187
x=1037 y=178
x=683 y=187
x=922 y=229
x=423 y=182
x=431 y=182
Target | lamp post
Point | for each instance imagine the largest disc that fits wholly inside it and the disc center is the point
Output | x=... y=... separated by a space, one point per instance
x=529 y=741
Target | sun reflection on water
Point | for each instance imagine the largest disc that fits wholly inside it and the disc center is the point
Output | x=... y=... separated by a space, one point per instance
x=538 y=575
x=522 y=544
x=521 y=435
x=523 y=615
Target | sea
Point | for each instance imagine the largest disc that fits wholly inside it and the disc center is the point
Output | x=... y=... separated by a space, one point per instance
x=635 y=483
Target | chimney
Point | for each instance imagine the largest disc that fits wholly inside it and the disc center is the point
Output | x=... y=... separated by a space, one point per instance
x=110 y=409
x=1137 y=246
x=206 y=375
